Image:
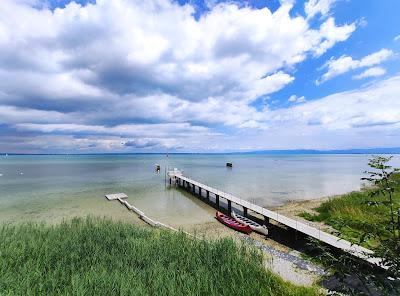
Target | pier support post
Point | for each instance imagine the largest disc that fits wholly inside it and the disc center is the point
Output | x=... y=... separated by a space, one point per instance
x=170 y=181
x=266 y=220
x=245 y=211
x=208 y=195
x=193 y=188
x=200 y=191
x=229 y=206
x=217 y=200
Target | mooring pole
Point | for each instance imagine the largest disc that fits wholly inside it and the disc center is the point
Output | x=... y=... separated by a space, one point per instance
x=217 y=200
x=229 y=206
x=165 y=176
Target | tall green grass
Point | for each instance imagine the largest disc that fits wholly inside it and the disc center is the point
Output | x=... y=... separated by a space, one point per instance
x=99 y=257
x=352 y=214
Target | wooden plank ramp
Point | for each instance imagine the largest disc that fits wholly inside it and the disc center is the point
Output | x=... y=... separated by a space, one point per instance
x=121 y=198
x=115 y=196
x=300 y=226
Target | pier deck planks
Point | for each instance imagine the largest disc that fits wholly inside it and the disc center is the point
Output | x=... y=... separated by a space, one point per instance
x=300 y=226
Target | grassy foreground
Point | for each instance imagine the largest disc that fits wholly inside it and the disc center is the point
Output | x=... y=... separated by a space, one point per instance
x=99 y=257
x=352 y=214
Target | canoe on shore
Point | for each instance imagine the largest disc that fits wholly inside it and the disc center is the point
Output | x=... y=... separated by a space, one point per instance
x=232 y=223
x=262 y=229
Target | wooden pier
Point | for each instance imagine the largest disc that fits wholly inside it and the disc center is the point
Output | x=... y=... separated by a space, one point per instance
x=177 y=178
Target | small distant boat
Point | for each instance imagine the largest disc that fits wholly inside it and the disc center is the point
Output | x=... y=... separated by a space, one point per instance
x=262 y=229
x=232 y=223
x=229 y=164
x=158 y=167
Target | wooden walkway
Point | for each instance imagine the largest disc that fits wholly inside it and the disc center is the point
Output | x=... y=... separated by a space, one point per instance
x=121 y=197
x=177 y=178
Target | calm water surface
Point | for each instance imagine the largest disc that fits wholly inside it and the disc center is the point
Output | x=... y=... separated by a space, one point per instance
x=57 y=187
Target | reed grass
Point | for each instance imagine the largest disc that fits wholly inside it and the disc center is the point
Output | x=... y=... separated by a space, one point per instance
x=99 y=257
x=353 y=215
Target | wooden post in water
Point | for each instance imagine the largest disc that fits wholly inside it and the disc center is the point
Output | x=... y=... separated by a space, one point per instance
x=200 y=191
x=208 y=195
x=217 y=200
x=229 y=206
x=266 y=220
x=193 y=188
x=244 y=211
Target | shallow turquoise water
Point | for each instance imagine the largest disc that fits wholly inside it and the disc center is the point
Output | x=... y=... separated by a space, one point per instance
x=63 y=183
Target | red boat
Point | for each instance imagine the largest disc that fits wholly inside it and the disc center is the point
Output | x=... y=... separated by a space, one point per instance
x=232 y=223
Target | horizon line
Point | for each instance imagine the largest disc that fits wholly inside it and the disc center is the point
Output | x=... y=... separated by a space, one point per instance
x=383 y=150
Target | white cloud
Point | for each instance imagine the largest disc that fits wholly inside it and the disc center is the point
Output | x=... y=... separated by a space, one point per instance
x=332 y=34
x=374 y=105
x=12 y=114
x=365 y=117
x=371 y=72
x=362 y=22
x=296 y=99
x=314 y=7
x=125 y=130
x=375 y=58
x=345 y=63
x=228 y=52
x=122 y=71
x=341 y=120
x=397 y=38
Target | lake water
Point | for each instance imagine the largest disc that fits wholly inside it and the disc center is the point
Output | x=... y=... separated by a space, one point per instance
x=52 y=188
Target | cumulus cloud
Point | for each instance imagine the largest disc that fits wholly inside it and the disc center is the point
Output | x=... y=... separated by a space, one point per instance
x=341 y=120
x=397 y=38
x=371 y=72
x=296 y=99
x=332 y=34
x=314 y=7
x=371 y=106
x=345 y=119
x=346 y=63
x=122 y=71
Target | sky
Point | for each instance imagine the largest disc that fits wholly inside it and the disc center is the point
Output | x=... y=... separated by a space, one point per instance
x=129 y=76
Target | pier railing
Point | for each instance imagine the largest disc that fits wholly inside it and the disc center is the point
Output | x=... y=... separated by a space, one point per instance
x=176 y=177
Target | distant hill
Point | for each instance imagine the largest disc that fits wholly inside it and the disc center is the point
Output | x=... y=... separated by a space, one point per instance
x=394 y=150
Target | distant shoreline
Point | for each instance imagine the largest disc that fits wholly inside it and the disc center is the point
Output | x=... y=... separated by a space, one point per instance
x=362 y=151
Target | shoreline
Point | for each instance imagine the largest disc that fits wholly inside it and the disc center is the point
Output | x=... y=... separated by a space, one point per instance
x=292 y=209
